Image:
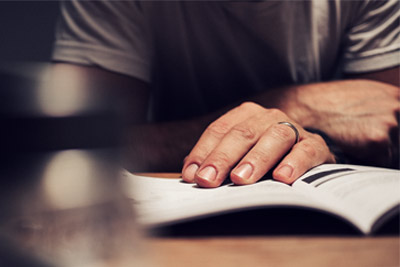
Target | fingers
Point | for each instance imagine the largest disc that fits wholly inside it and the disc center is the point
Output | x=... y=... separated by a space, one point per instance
x=272 y=146
x=212 y=137
x=235 y=144
x=308 y=153
x=248 y=149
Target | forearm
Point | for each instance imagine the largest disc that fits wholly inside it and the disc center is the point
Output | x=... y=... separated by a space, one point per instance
x=311 y=104
x=360 y=116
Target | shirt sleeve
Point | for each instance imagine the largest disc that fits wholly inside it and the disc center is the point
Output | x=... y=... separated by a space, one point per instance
x=372 y=41
x=107 y=34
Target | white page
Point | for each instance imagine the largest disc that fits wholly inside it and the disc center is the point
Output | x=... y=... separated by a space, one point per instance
x=161 y=201
x=362 y=194
x=359 y=196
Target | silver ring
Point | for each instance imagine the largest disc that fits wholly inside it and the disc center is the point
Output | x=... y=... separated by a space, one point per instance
x=296 y=132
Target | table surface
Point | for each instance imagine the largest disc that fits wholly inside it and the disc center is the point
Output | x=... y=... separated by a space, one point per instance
x=275 y=251
x=272 y=250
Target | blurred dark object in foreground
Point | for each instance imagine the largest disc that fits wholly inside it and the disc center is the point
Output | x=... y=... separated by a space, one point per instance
x=42 y=114
x=11 y=255
x=59 y=189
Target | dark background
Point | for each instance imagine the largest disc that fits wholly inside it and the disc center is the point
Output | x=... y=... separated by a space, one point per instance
x=27 y=30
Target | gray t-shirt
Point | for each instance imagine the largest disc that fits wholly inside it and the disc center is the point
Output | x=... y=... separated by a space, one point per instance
x=201 y=55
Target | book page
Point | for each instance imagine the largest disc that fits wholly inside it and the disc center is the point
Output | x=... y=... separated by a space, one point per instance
x=159 y=201
x=360 y=194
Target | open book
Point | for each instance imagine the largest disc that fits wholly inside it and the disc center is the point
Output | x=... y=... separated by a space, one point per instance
x=362 y=196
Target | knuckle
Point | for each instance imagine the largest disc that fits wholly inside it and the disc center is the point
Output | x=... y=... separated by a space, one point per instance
x=320 y=145
x=260 y=157
x=317 y=138
x=221 y=158
x=193 y=158
x=198 y=154
x=249 y=105
x=309 y=149
x=218 y=128
x=243 y=132
x=274 y=112
x=282 y=132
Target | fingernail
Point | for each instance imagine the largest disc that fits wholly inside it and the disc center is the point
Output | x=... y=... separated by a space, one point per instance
x=190 y=171
x=244 y=171
x=208 y=173
x=285 y=171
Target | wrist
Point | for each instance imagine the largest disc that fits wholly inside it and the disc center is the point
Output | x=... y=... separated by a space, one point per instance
x=297 y=104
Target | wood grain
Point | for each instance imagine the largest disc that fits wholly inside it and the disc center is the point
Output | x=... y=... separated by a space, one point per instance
x=276 y=251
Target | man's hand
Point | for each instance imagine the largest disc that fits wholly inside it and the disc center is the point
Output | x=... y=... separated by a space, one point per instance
x=247 y=142
x=361 y=116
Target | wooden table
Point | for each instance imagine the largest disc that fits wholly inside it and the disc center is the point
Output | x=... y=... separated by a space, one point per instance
x=275 y=251
x=383 y=251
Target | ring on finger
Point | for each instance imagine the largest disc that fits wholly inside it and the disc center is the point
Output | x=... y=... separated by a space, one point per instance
x=296 y=132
